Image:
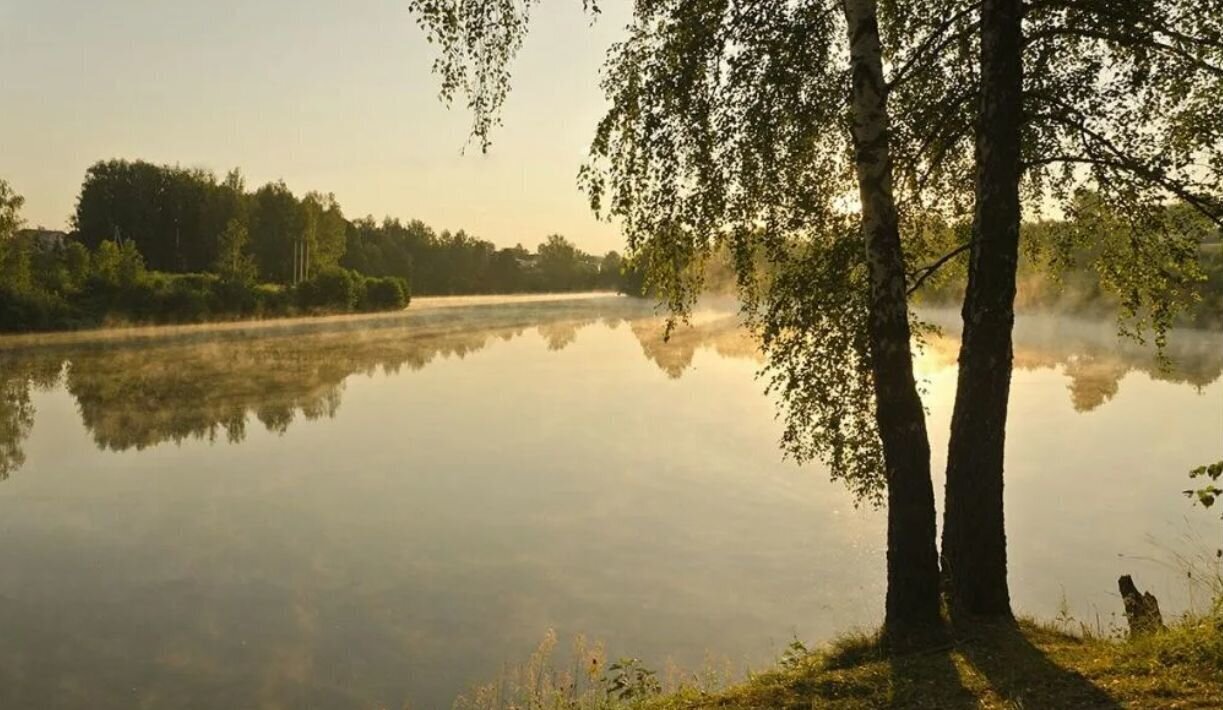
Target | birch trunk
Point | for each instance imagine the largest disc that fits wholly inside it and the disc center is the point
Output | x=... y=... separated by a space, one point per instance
x=974 y=535
x=912 y=559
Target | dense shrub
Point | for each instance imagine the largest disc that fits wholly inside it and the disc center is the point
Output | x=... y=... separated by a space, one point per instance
x=387 y=293
x=236 y=297
x=185 y=298
x=35 y=310
x=330 y=289
x=272 y=300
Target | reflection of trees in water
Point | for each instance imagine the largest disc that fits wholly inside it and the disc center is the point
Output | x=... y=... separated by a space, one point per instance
x=201 y=386
x=15 y=424
x=19 y=376
x=205 y=386
x=724 y=335
x=1096 y=360
x=561 y=335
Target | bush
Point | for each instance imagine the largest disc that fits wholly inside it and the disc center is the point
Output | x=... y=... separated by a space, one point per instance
x=386 y=293
x=330 y=289
x=184 y=298
x=33 y=311
x=272 y=300
x=233 y=296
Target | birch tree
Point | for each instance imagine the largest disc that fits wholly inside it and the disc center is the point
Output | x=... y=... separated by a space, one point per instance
x=1117 y=99
x=753 y=126
x=749 y=124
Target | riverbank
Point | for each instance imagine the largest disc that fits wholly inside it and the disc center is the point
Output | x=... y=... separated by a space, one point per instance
x=280 y=325
x=991 y=665
x=1029 y=665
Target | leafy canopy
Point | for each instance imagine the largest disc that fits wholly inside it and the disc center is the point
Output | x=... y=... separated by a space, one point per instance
x=728 y=129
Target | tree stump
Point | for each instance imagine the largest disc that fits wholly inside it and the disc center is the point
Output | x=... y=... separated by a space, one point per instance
x=1141 y=608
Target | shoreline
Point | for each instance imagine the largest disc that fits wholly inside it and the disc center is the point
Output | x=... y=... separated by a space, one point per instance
x=280 y=326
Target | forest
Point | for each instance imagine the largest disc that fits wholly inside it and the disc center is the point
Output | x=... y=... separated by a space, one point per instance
x=165 y=244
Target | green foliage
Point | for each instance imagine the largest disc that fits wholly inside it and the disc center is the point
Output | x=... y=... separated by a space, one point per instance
x=14 y=257
x=233 y=263
x=727 y=130
x=10 y=212
x=456 y=263
x=145 y=232
x=77 y=265
x=795 y=655
x=172 y=215
x=563 y=266
x=106 y=264
x=387 y=293
x=812 y=324
x=331 y=289
x=15 y=266
x=1194 y=640
x=477 y=39
x=325 y=230
x=71 y=288
x=277 y=223
x=1147 y=259
x=22 y=296
x=628 y=679
x=162 y=244
x=130 y=270
x=727 y=133
x=1090 y=263
x=1209 y=492
x=584 y=682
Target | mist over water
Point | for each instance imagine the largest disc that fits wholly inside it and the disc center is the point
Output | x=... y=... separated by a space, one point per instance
x=377 y=510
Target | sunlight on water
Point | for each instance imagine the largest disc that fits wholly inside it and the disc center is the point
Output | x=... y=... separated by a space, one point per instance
x=371 y=511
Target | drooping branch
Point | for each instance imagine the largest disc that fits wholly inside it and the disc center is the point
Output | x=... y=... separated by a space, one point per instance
x=932 y=47
x=1100 y=150
x=477 y=42
x=920 y=275
x=1205 y=205
x=1127 y=40
x=1142 y=17
x=951 y=137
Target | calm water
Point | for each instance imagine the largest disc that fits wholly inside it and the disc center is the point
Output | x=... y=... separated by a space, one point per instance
x=363 y=513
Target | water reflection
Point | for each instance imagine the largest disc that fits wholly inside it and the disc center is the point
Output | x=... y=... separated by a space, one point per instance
x=382 y=535
x=1093 y=357
x=207 y=385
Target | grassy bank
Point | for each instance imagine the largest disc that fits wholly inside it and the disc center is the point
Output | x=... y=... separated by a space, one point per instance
x=1024 y=665
x=1029 y=665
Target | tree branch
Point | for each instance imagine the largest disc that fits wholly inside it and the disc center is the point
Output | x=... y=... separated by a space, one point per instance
x=1128 y=40
x=1204 y=205
x=927 y=48
x=1138 y=18
x=928 y=270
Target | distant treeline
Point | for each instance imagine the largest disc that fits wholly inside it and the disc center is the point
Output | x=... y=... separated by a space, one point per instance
x=156 y=243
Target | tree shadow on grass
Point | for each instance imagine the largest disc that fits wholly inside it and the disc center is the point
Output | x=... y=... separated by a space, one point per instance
x=1021 y=673
x=918 y=673
x=929 y=679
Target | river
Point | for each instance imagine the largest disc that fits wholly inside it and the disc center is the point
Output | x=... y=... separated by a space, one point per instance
x=365 y=512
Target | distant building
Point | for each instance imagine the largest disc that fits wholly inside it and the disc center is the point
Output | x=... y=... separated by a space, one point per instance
x=44 y=239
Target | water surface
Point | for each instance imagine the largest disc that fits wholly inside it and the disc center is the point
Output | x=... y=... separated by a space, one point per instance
x=363 y=512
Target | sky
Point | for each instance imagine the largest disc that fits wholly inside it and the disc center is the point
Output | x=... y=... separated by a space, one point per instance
x=328 y=95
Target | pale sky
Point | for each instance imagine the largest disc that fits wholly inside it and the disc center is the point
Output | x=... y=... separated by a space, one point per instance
x=328 y=95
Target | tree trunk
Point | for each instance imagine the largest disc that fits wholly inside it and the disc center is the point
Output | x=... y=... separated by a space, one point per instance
x=912 y=558
x=974 y=535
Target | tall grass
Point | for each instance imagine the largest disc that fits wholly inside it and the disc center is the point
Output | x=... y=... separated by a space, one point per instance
x=585 y=679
